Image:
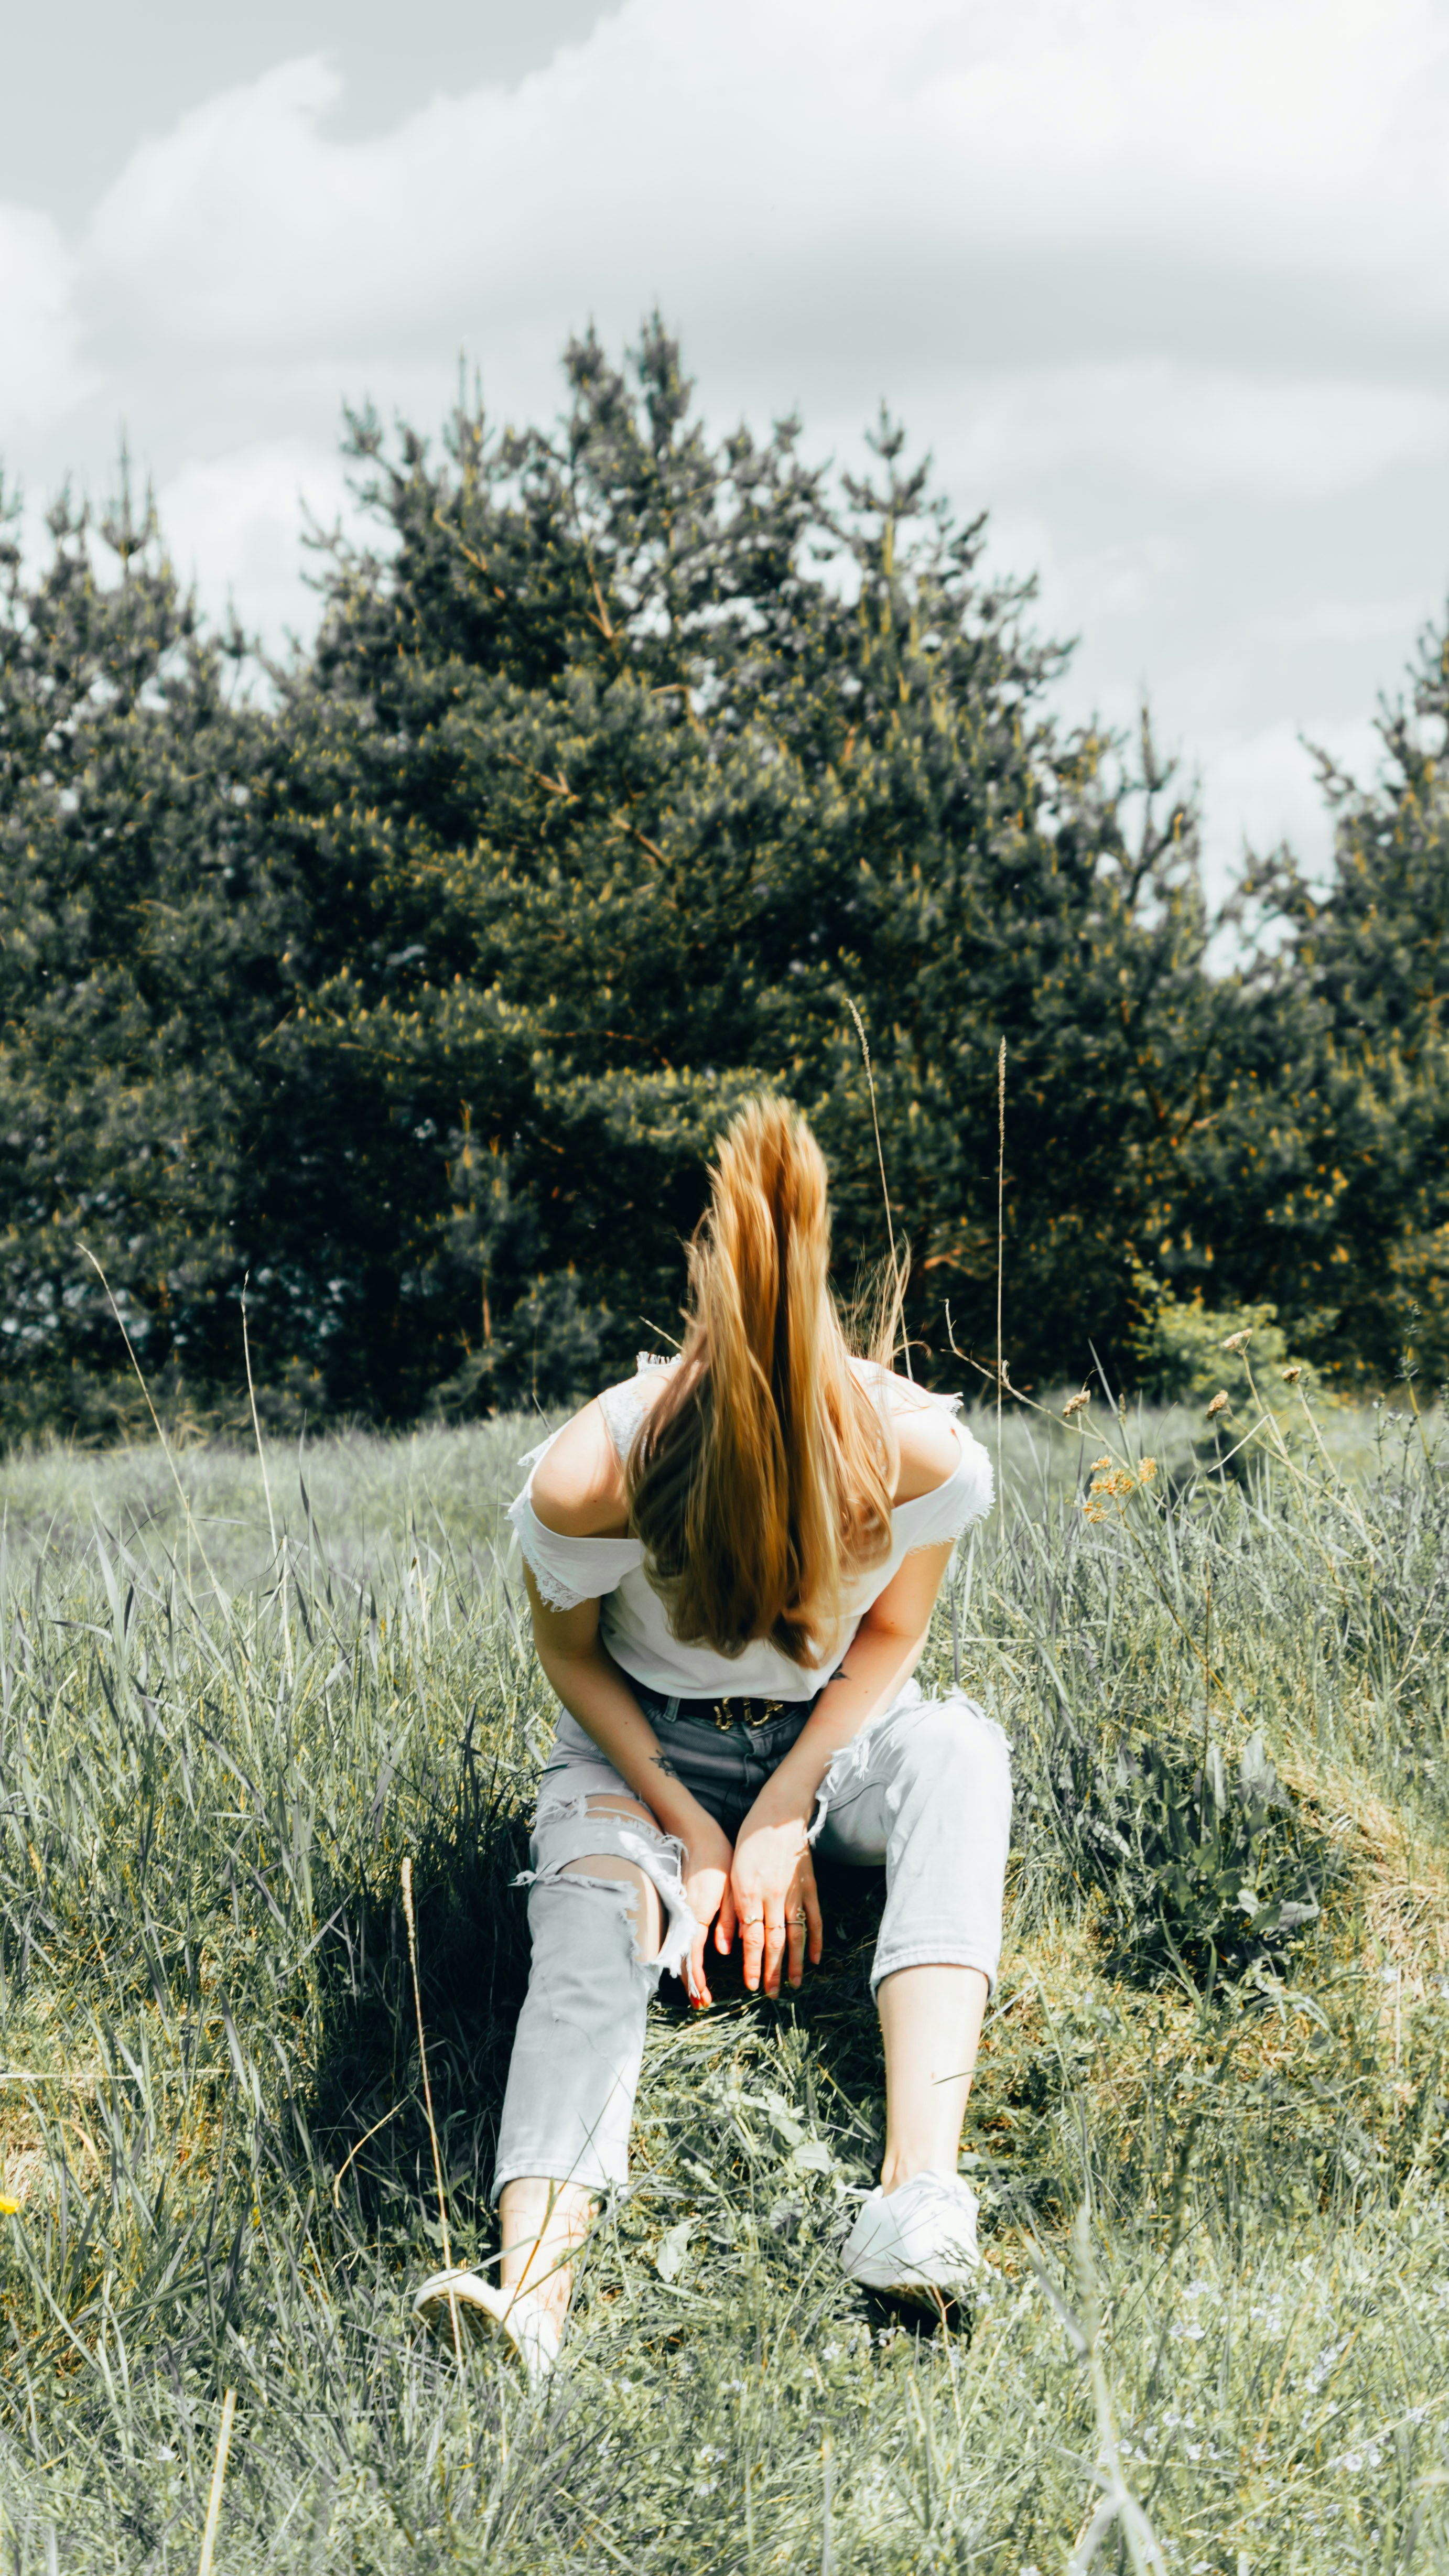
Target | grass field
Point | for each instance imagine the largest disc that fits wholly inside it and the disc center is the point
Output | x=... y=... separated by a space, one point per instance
x=1212 y=2153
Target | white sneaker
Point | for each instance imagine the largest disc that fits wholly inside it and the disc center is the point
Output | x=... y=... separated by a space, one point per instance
x=921 y=2237
x=487 y=2315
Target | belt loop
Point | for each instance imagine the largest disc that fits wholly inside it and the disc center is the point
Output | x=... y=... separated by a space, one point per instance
x=671 y=1711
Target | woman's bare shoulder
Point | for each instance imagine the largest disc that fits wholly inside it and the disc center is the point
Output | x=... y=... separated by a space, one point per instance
x=578 y=1487
x=926 y=1437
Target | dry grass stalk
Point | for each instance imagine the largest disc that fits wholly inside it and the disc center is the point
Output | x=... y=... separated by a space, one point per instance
x=218 y=2481
x=407 y=1898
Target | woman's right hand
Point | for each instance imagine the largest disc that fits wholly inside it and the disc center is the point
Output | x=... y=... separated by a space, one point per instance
x=708 y=1858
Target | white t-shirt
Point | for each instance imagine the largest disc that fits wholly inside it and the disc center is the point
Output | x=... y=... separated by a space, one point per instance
x=633 y=1621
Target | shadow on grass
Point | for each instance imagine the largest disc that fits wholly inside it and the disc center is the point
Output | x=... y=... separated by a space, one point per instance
x=368 y=2114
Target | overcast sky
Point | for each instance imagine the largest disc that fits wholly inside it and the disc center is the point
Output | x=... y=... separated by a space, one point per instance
x=1164 y=284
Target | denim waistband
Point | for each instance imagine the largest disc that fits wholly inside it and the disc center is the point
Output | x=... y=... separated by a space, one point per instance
x=663 y=1710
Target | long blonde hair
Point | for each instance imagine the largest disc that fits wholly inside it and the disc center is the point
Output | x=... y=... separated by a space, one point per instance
x=760 y=1479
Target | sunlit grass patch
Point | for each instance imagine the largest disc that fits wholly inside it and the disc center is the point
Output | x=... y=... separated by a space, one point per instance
x=211 y=2125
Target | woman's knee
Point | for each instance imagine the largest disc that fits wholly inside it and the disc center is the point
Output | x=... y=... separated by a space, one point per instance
x=593 y=1871
x=956 y=1758
x=608 y=1870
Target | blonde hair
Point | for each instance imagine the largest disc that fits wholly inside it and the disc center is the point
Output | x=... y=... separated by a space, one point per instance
x=761 y=1477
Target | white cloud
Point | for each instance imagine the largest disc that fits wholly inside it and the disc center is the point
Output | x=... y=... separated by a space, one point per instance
x=234 y=526
x=1264 y=789
x=1084 y=591
x=1195 y=431
x=835 y=203
x=1332 y=621
x=688 y=138
x=41 y=370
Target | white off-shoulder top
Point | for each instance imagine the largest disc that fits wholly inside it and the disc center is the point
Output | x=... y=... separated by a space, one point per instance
x=633 y=1620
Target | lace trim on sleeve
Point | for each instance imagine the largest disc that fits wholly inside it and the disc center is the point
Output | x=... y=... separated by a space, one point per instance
x=570 y=1570
x=623 y=1406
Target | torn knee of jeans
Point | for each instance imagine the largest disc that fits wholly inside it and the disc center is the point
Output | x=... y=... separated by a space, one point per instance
x=661 y=1858
x=556 y=1808
x=629 y=1889
x=580 y=1827
x=559 y=1807
x=622 y=1895
x=636 y=1907
x=844 y=1766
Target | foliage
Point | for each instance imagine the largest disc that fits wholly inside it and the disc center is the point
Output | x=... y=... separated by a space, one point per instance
x=1325 y=1167
x=1203 y=1876
x=218 y=2145
x=1184 y=1352
x=625 y=764
x=136 y=922
x=628 y=758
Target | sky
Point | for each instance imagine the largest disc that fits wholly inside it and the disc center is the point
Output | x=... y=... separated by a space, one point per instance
x=1163 y=285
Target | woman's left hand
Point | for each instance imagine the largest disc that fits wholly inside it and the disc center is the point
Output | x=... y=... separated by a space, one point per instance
x=771 y=1897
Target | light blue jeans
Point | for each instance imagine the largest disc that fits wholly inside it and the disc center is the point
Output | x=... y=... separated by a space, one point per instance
x=925 y=1788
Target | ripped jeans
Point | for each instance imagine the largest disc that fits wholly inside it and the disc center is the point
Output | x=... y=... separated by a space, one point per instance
x=925 y=1788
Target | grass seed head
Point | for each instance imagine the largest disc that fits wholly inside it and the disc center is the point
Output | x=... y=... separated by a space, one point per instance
x=1075 y=1404
x=1239 y=1341
x=1218 y=1405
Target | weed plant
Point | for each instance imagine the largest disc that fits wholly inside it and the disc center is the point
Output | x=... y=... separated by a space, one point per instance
x=1210 y=2129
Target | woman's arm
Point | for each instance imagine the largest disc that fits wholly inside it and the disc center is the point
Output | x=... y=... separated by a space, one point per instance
x=883 y=1654
x=595 y=1691
x=578 y=1492
x=772 y=1894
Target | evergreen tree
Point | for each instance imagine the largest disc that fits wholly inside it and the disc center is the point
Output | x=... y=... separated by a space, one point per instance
x=630 y=764
x=621 y=769
x=133 y=957
x=1328 y=1164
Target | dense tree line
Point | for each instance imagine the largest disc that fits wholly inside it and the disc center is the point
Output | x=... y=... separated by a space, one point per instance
x=411 y=990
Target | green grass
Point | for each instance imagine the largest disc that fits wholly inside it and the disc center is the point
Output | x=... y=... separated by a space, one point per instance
x=211 y=2117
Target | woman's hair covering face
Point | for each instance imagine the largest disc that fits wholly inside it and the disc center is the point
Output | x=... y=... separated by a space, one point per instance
x=761 y=1478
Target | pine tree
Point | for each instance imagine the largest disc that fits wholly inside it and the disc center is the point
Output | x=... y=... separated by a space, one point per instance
x=631 y=763
x=621 y=769
x=132 y=967
x=1329 y=1160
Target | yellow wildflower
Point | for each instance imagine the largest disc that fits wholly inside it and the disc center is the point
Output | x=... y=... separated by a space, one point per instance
x=1112 y=1486
x=8 y=2208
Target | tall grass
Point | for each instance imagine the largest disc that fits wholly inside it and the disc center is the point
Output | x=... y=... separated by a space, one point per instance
x=1216 y=2209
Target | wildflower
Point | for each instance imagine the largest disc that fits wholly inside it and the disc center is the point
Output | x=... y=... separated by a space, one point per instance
x=1147 y=1470
x=1075 y=1404
x=8 y=2208
x=1109 y=1485
x=1292 y=1375
x=1218 y=1405
x=1238 y=1341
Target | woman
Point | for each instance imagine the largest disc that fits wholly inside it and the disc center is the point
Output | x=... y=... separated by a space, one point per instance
x=732 y=1562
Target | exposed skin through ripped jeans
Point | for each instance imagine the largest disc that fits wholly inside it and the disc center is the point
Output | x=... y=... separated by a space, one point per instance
x=925 y=1789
